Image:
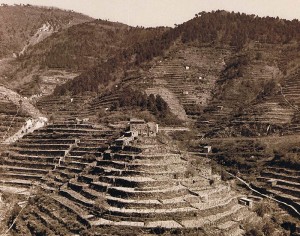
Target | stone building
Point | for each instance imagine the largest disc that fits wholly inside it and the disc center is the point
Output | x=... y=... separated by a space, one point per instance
x=141 y=128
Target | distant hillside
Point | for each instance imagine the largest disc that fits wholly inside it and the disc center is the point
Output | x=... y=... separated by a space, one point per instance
x=237 y=29
x=215 y=29
x=19 y=23
x=81 y=46
x=240 y=71
x=73 y=50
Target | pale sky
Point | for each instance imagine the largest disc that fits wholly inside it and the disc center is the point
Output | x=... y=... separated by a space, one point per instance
x=167 y=12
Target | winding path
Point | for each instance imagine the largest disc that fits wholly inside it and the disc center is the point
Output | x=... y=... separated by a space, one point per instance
x=264 y=195
x=37 y=121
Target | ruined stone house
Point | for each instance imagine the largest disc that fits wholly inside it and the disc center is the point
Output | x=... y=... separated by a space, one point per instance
x=141 y=128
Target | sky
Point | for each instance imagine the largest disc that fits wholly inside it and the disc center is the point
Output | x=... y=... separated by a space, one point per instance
x=151 y=13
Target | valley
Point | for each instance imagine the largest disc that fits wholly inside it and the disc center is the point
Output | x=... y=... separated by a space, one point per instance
x=108 y=129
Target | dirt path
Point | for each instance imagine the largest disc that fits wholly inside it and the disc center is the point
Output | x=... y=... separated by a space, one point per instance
x=37 y=120
x=264 y=195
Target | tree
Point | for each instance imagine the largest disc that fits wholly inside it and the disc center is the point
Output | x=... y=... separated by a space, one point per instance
x=151 y=104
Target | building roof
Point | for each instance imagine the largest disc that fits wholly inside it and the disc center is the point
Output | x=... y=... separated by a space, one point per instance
x=137 y=121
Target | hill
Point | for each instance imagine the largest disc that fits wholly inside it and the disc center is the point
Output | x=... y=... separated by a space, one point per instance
x=68 y=51
x=220 y=68
x=21 y=22
x=82 y=46
x=216 y=29
x=222 y=86
x=201 y=62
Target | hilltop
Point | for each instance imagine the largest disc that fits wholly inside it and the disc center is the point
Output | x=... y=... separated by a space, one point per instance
x=22 y=27
x=21 y=22
x=67 y=44
x=82 y=46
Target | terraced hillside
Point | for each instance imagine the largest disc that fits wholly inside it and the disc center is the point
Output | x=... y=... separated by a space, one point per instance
x=280 y=178
x=282 y=183
x=18 y=116
x=275 y=114
x=250 y=95
x=32 y=157
x=43 y=83
x=80 y=181
x=191 y=80
x=290 y=95
x=185 y=78
x=65 y=107
x=190 y=73
x=143 y=186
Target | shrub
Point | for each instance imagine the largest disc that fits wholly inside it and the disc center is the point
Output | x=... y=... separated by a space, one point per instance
x=268 y=229
x=89 y=157
x=262 y=209
x=254 y=232
x=190 y=171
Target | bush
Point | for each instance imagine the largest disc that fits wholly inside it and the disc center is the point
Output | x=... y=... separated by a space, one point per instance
x=102 y=112
x=190 y=171
x=270 y=88
x=89 y=157
x=254 y=232
x=262 y=209
x=288 y=159
x=268 y=229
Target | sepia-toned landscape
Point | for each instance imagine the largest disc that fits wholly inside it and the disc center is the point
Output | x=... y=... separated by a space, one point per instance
x=110 y=129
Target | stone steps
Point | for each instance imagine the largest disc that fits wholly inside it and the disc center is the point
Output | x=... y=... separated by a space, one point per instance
x=154 y=165
x=76 y=197
x=81 y=211
x=146 y=204
x=22 y=176
x=47 y=153
x=285 y=195
x=288 y=190
x=133 y=182
x=14 y=169
x=280 y=182
x=16 y=183
x=123 y=192
x=284 y=170
x=212 y=220
x=33 y=141
x=30 y=146
x=148 y=214
x=281 y=176
x=163 y=174
x=28 y=165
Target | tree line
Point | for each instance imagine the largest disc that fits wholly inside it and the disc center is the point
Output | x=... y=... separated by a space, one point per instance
x=155 y=104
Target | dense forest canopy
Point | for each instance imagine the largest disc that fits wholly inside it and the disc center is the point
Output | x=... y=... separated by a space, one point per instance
x=237 y=29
